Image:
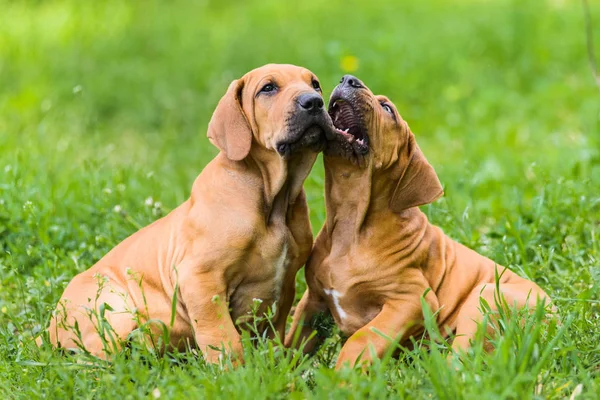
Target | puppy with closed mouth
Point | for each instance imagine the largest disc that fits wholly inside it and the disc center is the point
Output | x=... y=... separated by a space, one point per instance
x=241 y=236
x=377 y=254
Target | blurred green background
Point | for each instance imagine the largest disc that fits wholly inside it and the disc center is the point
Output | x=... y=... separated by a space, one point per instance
x=104 y=107
x=490 y=88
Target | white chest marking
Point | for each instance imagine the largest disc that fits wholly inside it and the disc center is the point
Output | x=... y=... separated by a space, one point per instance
x=280 y=268
x=335 y=295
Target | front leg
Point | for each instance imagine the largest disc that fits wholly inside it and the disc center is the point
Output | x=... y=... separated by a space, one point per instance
x=287 y=299
x=400 y=317
x=205 y=298
x=312 y=302
x=298 y=222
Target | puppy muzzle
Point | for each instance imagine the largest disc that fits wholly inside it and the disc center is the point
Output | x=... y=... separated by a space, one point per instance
x=308 y=126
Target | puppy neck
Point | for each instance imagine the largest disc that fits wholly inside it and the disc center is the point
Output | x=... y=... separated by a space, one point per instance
x=347 y=193
x=282 y=179
x=356 y=195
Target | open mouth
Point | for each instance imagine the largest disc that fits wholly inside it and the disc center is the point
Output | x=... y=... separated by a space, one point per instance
x=348 y=124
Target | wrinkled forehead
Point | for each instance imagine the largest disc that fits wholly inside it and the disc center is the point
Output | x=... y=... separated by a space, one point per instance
x=281 y=74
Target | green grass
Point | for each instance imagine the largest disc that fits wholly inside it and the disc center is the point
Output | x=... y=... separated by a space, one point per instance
x=103 y=113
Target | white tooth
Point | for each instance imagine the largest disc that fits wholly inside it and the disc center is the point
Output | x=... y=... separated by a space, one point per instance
x=346 y=130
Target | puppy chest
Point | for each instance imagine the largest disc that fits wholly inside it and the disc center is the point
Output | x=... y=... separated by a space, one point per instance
x=267 y=267
x=265 y=272
x=278 y=264
x=351 y=311
x=348 y=291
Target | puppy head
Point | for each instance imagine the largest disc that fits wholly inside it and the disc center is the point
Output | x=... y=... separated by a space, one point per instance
x=279 y=107
x=369 y=130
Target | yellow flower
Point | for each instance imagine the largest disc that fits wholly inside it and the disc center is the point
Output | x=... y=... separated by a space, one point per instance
x=349 y=63
x=4 y=310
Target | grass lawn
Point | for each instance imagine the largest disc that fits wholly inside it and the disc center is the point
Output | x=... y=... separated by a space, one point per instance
x=103 y=114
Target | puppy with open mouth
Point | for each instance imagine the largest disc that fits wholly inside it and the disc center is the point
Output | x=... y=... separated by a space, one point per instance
x=377 y=253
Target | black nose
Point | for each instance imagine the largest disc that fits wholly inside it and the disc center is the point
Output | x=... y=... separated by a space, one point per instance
x=313 y=103
x=351 y=81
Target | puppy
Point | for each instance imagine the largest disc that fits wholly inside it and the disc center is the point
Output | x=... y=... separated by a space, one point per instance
x=377 y=254
x=241 y=236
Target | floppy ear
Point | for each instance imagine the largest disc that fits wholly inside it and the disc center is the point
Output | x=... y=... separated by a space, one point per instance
x=228 y=128
x=418 y=184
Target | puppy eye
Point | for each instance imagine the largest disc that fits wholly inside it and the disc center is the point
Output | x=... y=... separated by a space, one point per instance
x=269 y=87
x=387 y=108
x=316 y=85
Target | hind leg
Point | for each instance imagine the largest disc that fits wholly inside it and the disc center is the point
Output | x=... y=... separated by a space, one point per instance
x=77 y=322
x=517 y=292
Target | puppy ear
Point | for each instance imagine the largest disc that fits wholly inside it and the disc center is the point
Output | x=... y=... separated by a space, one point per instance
x=228 y=128
x=418 y=184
